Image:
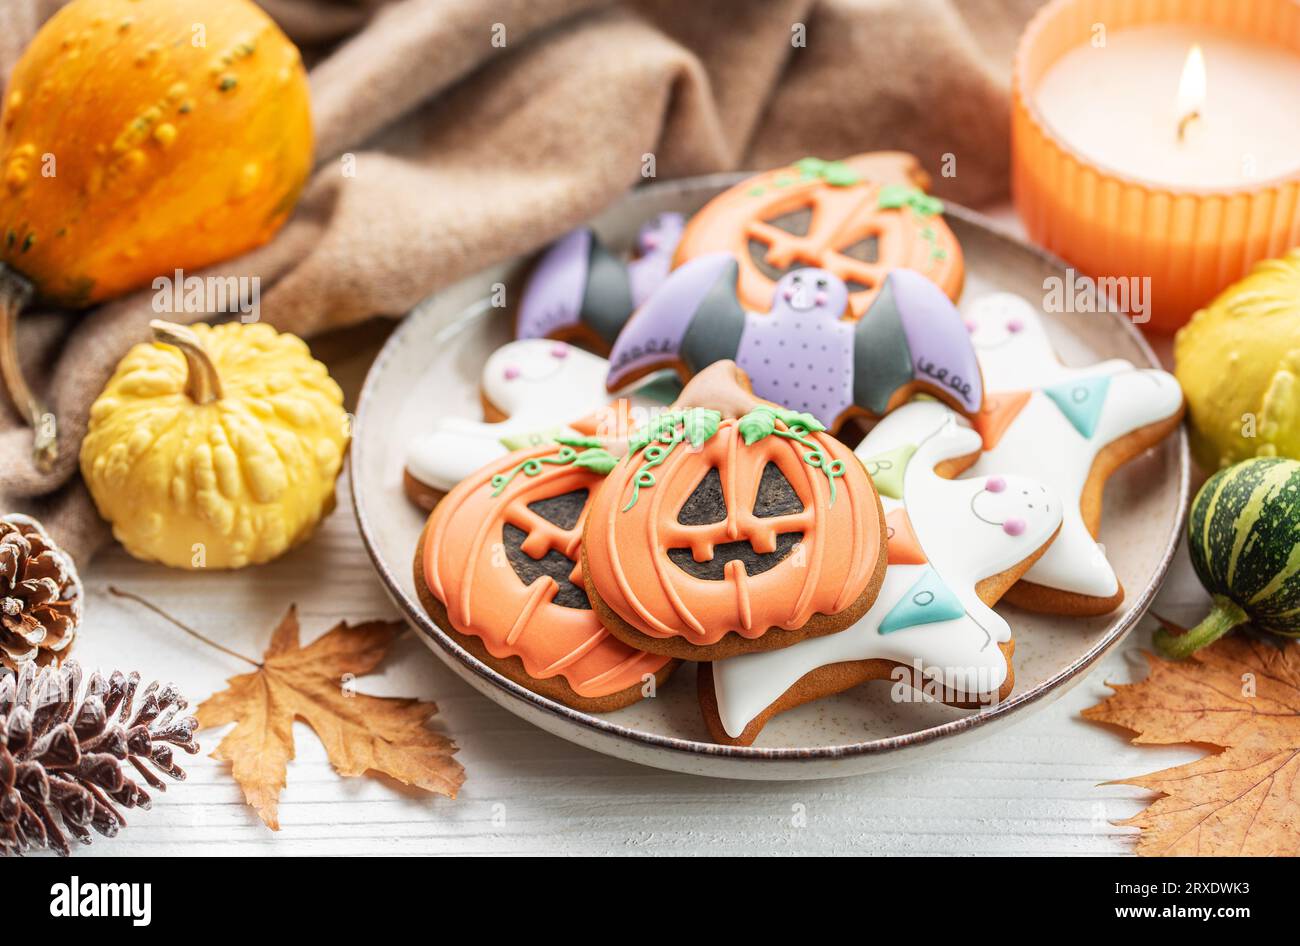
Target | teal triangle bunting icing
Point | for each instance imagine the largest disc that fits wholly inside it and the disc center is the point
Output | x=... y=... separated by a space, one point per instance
x=928 y=601
x=1081 y=401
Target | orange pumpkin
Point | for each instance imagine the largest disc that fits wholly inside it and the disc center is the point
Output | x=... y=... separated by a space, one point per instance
x=141 y=137
x=858 y=218
x=732 y=530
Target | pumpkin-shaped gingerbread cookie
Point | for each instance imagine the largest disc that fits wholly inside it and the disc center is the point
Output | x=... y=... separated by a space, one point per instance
x=860 y=219
x=497 y=570
x=733 y=526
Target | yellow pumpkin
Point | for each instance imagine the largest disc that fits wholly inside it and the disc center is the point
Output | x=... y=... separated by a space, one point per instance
x=139 y=137
x=1238 y=361
x=215 y=446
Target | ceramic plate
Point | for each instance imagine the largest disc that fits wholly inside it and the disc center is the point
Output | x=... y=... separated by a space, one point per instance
x=433 y=361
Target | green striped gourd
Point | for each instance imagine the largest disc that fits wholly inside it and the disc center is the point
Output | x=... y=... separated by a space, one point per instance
x=1244 y=539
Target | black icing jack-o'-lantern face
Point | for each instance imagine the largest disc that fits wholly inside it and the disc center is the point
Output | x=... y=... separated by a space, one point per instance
x=864 y=249
x=563 y=512
x=707 y=505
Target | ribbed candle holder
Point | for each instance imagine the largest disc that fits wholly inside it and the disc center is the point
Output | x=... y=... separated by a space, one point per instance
x=1190 y=242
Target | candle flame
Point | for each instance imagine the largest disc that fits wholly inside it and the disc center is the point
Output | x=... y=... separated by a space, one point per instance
x=1191 y=87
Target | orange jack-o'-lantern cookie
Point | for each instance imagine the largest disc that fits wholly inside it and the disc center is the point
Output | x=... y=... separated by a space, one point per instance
x=859 y=219
x=496 y=568
x=732 y=526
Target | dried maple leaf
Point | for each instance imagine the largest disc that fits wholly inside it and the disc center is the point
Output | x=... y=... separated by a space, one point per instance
x=361 y=733
x=1240 y=697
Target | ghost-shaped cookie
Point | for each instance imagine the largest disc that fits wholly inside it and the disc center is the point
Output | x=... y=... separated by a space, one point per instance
x=531 y=389
x=1070 y=428
x=954 y=546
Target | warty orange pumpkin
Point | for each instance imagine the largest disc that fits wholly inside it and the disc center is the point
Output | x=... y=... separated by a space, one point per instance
x=141 y=137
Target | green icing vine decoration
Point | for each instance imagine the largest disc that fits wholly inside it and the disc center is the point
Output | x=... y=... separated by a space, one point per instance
x=834 y=173
x=761 y=422
x=895 y=196
x=662 y=435
x=586 y=452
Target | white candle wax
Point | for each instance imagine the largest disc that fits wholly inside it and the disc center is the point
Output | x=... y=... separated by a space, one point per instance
x=1117 y=105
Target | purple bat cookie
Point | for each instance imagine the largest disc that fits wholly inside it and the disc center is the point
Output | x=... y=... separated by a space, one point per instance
x=804 y=353
x=580 y=290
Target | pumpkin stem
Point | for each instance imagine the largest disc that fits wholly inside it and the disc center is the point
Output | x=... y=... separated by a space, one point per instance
x=1223 y=617
x=203 y=386
x=15 y=293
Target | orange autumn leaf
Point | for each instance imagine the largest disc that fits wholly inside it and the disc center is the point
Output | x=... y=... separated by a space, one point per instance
x=360 y=733
x=1240 y=698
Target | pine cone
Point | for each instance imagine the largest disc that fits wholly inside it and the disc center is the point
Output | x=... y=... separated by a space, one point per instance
x=63 y=755
x=40 y=595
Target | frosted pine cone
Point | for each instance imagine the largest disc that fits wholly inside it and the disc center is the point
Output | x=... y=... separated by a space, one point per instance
x=65 y=759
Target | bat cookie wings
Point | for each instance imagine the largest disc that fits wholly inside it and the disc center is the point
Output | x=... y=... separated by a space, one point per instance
x=580 y=291
x=805 y=353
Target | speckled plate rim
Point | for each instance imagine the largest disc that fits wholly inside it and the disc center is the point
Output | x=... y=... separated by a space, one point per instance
x=691 y=747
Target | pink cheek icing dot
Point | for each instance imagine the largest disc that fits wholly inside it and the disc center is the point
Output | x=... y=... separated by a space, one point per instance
x=560 y=351
x=995 y=484
x=511 y=372
x=1015 y=325
x=821 y=298
x=1014 y=526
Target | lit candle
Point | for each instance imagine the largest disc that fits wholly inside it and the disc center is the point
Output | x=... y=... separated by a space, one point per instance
x=1143 y=105
x=1191 y=90
x=1160 y=141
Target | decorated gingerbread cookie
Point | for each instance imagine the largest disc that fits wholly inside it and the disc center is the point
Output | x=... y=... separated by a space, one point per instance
x=497 y=569
x=802 y=350
x=1069 y=428
x=859 y=219
x=732 y=526
x=1012 y=346
x=530 y=390
x=580 y=291
x=954 y=547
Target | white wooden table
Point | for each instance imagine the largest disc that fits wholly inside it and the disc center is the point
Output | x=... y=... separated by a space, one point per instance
x=1035 y=789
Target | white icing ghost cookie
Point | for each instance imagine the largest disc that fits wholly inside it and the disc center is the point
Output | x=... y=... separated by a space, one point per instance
x=1069 y=428
x=1012 y=346
x=954 y=547
x=538 y=386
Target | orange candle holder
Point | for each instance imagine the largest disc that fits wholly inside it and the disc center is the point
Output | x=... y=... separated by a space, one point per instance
x=1191 y=242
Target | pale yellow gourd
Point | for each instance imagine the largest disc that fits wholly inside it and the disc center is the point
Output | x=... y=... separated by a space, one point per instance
x=215 y=446
x=1238 y=361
